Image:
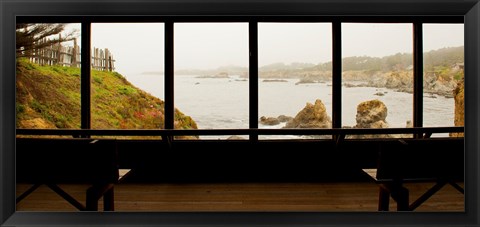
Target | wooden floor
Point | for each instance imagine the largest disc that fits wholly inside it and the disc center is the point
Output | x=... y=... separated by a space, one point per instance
x=361 y=196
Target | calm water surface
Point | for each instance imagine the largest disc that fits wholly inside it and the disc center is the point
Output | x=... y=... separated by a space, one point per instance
x=222 y=103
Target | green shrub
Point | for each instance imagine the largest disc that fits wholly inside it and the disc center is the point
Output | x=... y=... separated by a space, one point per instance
x=61 y=121
x=42 y=109
x=458 y=76
x=126 y=90
x=97 y=79
x=20 y=108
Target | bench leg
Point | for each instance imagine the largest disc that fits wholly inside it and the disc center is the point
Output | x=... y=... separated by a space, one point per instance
x=66 y=196
x=427 y=195
x=108 y=200
x=400 y=195
x=383 y=199
x=28 y=192
x=456 y=186
x=92 y=199
x=95 y=192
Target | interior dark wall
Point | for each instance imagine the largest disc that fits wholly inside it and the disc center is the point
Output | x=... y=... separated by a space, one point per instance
x=221 y=161
x=242 y=160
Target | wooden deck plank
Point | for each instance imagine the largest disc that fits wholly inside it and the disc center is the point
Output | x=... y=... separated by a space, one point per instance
x=362 y=196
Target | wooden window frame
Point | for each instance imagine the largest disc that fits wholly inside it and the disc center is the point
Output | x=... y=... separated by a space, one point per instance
x=169 y=21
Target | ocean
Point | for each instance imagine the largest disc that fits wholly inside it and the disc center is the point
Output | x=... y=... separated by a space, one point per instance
x=222 y=103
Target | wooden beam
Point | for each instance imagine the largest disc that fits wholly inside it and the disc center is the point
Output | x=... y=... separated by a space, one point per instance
x=418 y=75
x=85 y=85
x=253 y=77
x=169 y=76
x=337 y=74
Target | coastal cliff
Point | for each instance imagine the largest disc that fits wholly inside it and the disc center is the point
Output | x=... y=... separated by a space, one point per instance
x=49 y=97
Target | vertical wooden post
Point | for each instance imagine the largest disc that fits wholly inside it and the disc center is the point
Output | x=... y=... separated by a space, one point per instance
x=42 y=52
x=73 y=60
x=253 y=77
x=112 y=64
x=45 y=54
x=337 y=74
x=69 y=56
x=78 y=55
x=35 y=59
x=98 y=63
x=383 y=199
x=94 y=59
x=38 y=54
x=48 y=53
x=169 y=76
x=418 y=75
x=85 y=85
x=107 y=62
x=100 y=59
x=59 y=47
x=107 y=56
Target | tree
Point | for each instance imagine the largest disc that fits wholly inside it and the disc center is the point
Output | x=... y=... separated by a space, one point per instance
x=30 y=37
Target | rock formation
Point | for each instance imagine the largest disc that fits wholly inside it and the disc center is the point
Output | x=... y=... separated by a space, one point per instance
x=402 y=81
x=306 y=81
x=371 y=114
x=269 y=121
x=312 y=116
x=283 y=118
x=274 y=120
x=459 y=96
x=235 y=137
x=438 y=84
x=399 y=80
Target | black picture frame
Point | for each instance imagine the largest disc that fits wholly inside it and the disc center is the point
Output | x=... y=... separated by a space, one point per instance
x=10 y=9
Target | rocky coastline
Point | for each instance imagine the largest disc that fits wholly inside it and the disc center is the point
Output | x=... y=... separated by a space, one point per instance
x=370 y=113
x=434 y=83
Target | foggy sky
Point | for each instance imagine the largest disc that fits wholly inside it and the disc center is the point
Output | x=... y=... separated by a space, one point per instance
x=139 y=47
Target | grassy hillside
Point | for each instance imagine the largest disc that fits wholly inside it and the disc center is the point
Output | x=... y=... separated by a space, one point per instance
x=49 y=97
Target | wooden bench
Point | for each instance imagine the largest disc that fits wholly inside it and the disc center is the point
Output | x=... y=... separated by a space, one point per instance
x=50 y=162
x=438 y=160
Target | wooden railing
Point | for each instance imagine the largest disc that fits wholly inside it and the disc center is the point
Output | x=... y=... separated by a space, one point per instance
x=338 y=133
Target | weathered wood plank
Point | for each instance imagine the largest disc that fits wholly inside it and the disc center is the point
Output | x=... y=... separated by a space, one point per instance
x=352 y=196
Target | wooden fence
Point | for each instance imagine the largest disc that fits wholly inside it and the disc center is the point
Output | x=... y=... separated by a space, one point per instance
x=57 y=54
